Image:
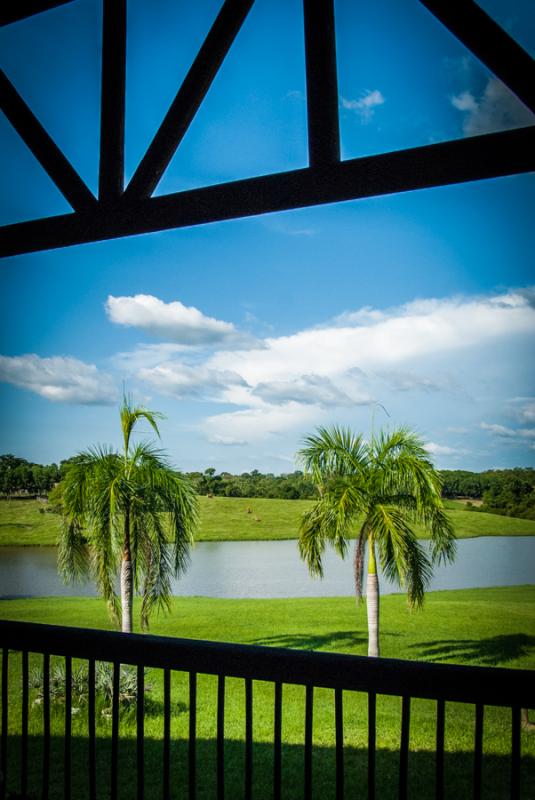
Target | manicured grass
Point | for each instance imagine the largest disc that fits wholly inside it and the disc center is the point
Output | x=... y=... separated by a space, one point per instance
x=24 y=522
x=480 y=626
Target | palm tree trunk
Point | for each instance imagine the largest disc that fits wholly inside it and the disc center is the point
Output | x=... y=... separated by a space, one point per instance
x=372 y=602
x=126 y=579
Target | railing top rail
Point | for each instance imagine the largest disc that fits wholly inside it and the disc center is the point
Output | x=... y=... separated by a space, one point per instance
x=488 y=685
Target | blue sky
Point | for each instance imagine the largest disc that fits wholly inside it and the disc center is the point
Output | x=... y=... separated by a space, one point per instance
x=248 y=334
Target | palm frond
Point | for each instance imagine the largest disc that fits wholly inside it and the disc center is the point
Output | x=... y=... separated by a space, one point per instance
x=130 y=416
x=73 y=555
x=333 y=451
x=157 y=569
x=443 y=540
x=312 y=539
x=402 y=558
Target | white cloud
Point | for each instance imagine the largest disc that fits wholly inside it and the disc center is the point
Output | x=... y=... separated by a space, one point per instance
x=174 y=321
x=404 y=381
x=258 y=424
x=309 y=390
x=440 y=450
x=503 y=432
x=366 y=104
x=59 y=379
x=324 y=367
x=423 y=328
x=181 y=380
x=227 y=441
x=465 y=102
x=524 y=409
x=496 y=109
x=146 y=356
x=498 y=430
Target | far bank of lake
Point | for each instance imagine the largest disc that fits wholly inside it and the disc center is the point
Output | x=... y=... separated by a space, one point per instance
x=29 y=523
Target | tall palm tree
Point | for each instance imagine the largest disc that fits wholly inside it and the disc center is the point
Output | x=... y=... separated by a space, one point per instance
x=119 y=509
x=379 y=489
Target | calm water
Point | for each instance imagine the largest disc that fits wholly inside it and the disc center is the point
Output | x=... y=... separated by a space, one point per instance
x=274 y=569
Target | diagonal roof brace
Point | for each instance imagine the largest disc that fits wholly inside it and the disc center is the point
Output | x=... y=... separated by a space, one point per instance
x=188 y=99
x=490 y=43
x=44 y=148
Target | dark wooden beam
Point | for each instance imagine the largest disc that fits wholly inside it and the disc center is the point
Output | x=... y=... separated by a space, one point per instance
x=490 y=156
x=13 y=10
x=112 y=111
x=188 y=99
x=322 y=83
x=43 y=147
x=490 y=43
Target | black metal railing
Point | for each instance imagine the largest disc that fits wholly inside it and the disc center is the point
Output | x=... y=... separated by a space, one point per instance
x=408 y=680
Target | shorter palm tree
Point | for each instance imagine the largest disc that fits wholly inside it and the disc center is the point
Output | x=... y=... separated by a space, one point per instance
x=378 y=490
x=119 y=511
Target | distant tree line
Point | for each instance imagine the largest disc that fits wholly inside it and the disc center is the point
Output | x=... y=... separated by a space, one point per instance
x=291 y=486
x=510 y=492
x=503 y=491
x=21 y=477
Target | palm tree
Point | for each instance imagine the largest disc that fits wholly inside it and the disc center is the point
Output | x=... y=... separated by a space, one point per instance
x=119 y=509
x=378 y=489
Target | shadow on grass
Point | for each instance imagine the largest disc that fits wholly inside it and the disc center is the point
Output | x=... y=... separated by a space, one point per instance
x=421 y=783
x=486 y=652
x=341 y=640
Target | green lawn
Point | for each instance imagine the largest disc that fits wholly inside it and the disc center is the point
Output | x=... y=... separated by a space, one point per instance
x=481 y=626
x=24 y=522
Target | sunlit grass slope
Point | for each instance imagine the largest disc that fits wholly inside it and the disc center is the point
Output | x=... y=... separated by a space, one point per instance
x=24 y=522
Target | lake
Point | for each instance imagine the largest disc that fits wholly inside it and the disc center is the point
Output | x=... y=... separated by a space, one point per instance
x=274 y=569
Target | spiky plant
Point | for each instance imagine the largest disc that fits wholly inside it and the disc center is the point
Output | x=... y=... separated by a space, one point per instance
x=378 y=490
x=119 y=510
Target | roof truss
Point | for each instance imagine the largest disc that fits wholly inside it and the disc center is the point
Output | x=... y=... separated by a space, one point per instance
x=122 y=211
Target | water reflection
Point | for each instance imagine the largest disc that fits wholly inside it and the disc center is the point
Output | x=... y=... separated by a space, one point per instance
x=274 y=569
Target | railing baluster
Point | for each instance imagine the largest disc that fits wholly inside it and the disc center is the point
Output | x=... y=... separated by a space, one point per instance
x=68 y=728
x=477 y=686
x=24 y=738
x=439 y=764
x=5 y=670
x=515 y=753
x=478 y=751
x=277 y=742
x=192 y=735
x=140 y=732
x=91 y=722
x=404 y=746
x=166 y=731
x=309 y=704
x=372 y=703
x=46 y=725
x=248 y=738
x=221 y=737
x=339 y=732
x=115 y=730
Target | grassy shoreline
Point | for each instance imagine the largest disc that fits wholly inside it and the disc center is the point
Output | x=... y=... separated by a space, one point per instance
x=26 y=523
x=474 y=626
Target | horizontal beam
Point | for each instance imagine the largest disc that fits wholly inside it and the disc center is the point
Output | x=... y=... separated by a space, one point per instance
x=43 y=147
x=490 y=43
x=474 y=158
x=493 y=686
x=13 y=10
x=189 y=97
